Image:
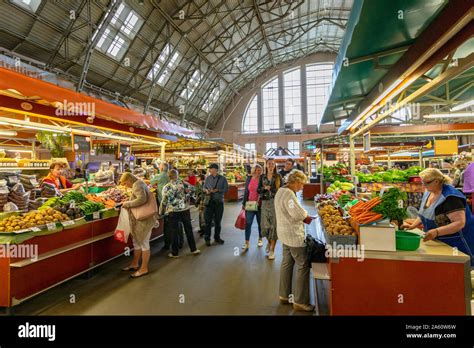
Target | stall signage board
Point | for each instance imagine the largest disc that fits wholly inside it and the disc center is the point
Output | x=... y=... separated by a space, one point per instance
x=81 y=144
x=446 y=147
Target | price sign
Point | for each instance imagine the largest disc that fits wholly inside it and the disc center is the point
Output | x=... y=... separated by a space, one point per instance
x=67 y=223
x=51 y=226
x=400 y=203
x=96 y=215
x=35 y=229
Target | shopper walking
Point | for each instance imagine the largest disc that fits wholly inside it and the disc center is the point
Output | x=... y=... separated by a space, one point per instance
x=289 y=166
x=215 y=186
x=268 y=186
x=444 y=213
x=140 y=229
x=291 y=216
x=251 y=205
x=176 y=206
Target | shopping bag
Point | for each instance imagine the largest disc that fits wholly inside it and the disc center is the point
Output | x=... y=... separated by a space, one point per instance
x=240 y=222
x=122 y=231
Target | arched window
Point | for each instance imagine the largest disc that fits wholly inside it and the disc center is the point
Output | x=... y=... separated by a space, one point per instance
x=250 y=124
x=317 y=83
x=292 y=93
x=271 y=109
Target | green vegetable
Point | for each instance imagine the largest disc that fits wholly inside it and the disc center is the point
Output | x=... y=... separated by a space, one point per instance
x=389 y=207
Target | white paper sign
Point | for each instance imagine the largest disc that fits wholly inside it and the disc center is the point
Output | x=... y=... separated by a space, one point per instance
x=35 y=229
x=67 y=223
x=96 y=215
x=400 y=203
x=51 y=226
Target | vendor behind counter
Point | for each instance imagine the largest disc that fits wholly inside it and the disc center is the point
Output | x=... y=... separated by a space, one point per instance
x=55 y=177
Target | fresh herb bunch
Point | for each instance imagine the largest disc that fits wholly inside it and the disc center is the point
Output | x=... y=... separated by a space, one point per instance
x=389 y=207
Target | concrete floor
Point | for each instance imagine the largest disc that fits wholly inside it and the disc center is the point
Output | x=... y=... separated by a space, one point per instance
x=220 y=281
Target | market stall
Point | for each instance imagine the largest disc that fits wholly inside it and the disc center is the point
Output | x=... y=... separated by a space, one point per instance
x=374 y=268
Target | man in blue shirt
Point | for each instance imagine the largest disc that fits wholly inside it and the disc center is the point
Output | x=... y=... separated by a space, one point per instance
x=215 y=187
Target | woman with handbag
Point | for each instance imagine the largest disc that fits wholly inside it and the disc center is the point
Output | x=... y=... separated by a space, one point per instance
x=291 y=217
x=268 y=186
x=251 y=205
x=142 y=222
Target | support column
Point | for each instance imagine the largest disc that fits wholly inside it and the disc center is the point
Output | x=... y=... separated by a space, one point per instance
x=33 y=150
x=352 y=155
x=389 y=164
x=304 y=108
x=162 y=154
x=281 y=104
x=420 y=157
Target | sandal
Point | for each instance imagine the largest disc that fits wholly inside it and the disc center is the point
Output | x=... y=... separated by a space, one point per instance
x=134 y=275
x=128 y=269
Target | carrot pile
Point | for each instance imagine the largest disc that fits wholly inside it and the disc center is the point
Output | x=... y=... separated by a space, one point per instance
x=361 y=212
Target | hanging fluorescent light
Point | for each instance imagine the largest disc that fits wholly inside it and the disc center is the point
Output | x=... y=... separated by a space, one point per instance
x=450 y=115
x=22 y=151
x=463 y=105
x=43 y=129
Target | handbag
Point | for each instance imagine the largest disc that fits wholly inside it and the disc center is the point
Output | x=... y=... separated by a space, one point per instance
x=146 y=210
x=315 y=250
x=208 y=197
x=251 y=206
x=241 y=220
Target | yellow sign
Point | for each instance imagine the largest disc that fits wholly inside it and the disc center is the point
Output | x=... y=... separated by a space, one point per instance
x=446 y=147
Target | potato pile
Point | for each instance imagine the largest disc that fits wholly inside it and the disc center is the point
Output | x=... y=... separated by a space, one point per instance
x=334 y=223
x=31 y=219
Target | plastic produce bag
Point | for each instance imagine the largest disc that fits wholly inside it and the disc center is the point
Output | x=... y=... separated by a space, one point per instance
x=123 y=229
x=10 y=207
x=240 y=222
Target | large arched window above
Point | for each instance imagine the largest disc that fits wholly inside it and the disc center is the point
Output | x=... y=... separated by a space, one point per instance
x=287 y=104
x=250 y=124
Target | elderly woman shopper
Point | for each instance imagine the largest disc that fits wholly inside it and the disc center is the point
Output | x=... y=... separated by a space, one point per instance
x=268 y=186
x=444 y=213
x=141 y=229
x=251 y=205
x=290 y=218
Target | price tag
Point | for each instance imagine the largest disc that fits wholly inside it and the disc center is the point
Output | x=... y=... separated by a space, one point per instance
x=67 y=223
x=72 y=204
x=35 y=229
x=400 y=203
x=381 y=192
x=51 y=226
x=96 y=215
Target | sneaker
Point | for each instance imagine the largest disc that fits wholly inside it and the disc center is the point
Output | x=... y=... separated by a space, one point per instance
x=267 y=249
x=260 y=243
x=245 y=247
x=303 y=307
x=196 y=252
x=170 y=255
x=284 y=300
x=219 y=241
x=208 y=243
x=271 y=255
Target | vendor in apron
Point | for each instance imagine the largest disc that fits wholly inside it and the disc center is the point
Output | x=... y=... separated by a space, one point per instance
x=444 y=213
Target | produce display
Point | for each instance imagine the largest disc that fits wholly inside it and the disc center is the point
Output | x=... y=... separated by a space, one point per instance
x=19 y=197
x=333 y=221
x=89 y=207
x=338 y=185
x=118 y=194
x=31 y=219
x=236 y=174
x=338 y=172
x=392 y=175
x=364 y=213
x=29 y=182
x=4 y=192
x=108 y=203
x=37 y=203
x=393 y=205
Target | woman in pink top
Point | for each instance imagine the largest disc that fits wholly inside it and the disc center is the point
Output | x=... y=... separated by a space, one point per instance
x=251 y=205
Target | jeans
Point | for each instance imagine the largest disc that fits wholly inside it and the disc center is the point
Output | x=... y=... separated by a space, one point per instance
x=249 y=216
x=292 y=256
x=213 y=212
x=174 y=223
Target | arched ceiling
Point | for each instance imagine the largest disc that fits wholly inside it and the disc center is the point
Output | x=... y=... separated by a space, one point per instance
x=230 y=43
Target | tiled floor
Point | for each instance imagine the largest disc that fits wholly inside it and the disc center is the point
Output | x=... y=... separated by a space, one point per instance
x=220 y=281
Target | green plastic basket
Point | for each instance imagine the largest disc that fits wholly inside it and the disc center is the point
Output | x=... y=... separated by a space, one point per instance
x=407 y=241
x=96 y=189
